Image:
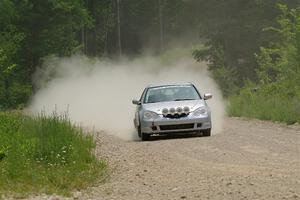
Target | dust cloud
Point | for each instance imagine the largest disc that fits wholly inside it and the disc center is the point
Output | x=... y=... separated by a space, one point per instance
x=97 y=93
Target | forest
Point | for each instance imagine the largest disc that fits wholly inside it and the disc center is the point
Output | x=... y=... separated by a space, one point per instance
x=252 y=47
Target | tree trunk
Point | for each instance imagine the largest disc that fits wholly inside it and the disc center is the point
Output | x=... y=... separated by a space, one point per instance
x=82 y=39
x=119 y=28
x=161 y=25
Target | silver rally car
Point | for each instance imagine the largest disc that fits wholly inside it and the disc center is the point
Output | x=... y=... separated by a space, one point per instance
x=171 y=109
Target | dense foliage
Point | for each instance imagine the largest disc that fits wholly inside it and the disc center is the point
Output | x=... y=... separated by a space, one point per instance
x=45 y=155
x=32 y=29
x=235 y=30
x=277 y=96
x=240 y=46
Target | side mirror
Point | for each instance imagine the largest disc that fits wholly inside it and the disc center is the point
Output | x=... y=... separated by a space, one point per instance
x=207 y=96
x=136 y=102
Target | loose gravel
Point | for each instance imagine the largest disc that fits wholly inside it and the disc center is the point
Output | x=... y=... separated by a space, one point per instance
x=250 y=159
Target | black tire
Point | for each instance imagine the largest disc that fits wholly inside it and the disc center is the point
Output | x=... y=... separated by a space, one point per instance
x=139 y=131
x=206 y=132
x=145 y=136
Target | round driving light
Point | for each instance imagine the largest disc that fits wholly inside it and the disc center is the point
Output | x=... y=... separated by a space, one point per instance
x=186 y=109
x=179 y=110
x=165 y=111
x=172 y=111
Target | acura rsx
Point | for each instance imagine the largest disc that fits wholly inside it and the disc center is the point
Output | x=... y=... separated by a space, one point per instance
x=171 y=109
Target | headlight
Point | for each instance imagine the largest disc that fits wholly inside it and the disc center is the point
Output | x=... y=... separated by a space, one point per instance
x=200 y=111
x=149 y=115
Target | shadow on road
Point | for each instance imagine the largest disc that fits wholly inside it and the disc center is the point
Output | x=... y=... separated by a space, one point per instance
x=173 y=136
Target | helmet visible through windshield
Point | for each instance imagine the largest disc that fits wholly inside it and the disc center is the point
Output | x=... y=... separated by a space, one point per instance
x=171 y=93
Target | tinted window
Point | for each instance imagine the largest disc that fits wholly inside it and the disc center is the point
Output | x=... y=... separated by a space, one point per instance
x=171 y=93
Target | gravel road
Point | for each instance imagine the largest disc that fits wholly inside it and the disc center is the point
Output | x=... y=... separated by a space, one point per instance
x=248 y=160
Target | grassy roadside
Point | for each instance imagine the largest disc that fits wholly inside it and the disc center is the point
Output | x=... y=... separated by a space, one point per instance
x=45 y=155
x=275 y=107
x=277 y=93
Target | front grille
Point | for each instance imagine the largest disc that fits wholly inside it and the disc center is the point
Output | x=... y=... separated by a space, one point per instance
x=176 y=127
x=176 y=116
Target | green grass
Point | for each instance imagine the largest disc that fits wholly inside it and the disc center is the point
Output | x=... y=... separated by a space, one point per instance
x=45 y=155
x=275 y=107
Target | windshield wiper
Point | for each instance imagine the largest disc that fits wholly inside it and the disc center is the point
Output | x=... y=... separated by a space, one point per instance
x=183 y=99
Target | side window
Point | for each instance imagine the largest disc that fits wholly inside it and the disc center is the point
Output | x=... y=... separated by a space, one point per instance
x=143 y=95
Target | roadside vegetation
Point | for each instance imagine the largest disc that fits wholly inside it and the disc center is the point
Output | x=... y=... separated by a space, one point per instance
x=256 y=62
x=45 y=155
x=276 y=96
x=265 y=105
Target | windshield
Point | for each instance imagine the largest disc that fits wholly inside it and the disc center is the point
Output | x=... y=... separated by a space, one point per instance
x=171 y=93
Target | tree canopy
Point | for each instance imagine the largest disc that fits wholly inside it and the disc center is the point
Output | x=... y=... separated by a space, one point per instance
x=234 y=32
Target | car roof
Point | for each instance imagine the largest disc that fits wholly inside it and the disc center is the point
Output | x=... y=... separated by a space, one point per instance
x=170 y=84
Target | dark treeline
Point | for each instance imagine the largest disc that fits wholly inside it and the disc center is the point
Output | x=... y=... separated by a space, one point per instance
x=33 y=29
x=236 y=29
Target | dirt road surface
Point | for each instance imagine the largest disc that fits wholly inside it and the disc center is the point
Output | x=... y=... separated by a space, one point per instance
x=248 y=160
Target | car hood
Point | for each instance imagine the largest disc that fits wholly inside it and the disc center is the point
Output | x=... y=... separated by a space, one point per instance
x=158 y=107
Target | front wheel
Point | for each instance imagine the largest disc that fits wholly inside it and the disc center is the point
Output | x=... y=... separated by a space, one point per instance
x=145 y=136
x=139 y=131
x=207 y=132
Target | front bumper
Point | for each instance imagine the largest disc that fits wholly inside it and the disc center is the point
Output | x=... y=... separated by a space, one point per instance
x=185 y=124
